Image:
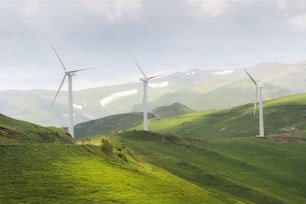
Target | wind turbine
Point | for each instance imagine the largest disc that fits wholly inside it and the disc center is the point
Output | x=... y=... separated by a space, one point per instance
x=145 y=81
x=69 y=74
x=259 y=90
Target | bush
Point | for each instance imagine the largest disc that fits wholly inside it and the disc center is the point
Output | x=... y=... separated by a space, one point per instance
x=107 y=146
x=122 y=157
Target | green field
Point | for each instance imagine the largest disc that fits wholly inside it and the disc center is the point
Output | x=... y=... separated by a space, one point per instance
x=55 y=173
x=218 y=150
x=202 y=157
x=254 y=170
x=34 y=170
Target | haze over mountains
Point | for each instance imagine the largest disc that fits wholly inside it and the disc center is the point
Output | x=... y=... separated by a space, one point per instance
x=195 y=88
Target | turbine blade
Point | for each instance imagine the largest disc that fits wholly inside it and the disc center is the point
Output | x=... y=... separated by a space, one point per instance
x=255 y=108
x=58 y=90
x=250 y=77
x=256 y=100
x=152 y=77
x=254 y=113
x=58 y=57
x=79 y=70
x=139 y=67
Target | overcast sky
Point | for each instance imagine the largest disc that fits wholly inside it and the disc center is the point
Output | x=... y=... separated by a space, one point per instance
x=163 y=35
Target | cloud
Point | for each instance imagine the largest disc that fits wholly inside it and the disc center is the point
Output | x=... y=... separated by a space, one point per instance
x=294 y=11
x=289 y=5
x=282 y=4
x=110 y=9
x=291 y=12
x=299 y=21
x=209 y=8
x=215 y=8
x=115 y=9
x=62 y=16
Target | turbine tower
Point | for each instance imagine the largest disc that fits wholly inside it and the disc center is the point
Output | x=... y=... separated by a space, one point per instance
x=69 y=74
x=259 y=91
x=145 y=80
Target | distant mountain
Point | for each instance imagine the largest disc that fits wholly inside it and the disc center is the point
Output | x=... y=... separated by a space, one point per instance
x=109 y=124
x=15 y=131
x=196 y=88
x=172 y=110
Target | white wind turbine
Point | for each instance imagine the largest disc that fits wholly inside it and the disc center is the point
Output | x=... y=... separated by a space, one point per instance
x=259 y=90
x=145 y=81
x=69 y=74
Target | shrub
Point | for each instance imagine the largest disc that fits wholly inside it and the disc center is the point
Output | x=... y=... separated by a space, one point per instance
x=122 y=157
x=106 y=146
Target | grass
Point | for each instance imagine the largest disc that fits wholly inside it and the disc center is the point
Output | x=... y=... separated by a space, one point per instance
x=172 y=110
x=250 y=169
x=108 y=124
x=218 y=150
x=16 y=131
x=203 y=157
x=280 y=116
x=38 y=167
x=57 y=173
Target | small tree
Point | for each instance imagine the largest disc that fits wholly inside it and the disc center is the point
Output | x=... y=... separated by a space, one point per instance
x=106 y=146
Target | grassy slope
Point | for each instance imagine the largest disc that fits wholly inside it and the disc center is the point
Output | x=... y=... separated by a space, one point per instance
x=172 y=110
x=279 y=114
x=108 y=124
x=16 y=131
x=218 y=150
x=56 y=173
x=38 y=169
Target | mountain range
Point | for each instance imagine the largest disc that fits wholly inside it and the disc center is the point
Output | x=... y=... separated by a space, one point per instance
x=195 y=88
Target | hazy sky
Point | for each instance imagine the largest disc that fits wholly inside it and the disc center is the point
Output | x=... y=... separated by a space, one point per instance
x=163 y=35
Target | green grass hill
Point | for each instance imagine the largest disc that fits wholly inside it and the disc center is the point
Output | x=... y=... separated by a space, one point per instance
x=54 y=173
x=16 y=131
x=283 y=116
x=201 y=157
x=108 y=124
x=218 y=150
x=36 y=169
x=172 y=110
x=113 y=123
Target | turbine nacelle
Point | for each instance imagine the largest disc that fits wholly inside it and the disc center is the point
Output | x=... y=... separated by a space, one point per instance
x=144 y=79
x=70 y=73
x=260 y=85
x=73 y=72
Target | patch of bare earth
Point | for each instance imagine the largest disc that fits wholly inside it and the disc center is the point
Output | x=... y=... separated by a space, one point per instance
x=6 y=135
x=286 y=138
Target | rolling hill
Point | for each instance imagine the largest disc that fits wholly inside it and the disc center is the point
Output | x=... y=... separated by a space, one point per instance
x=218 y=150
x=37 y=170
x=172 y=110
x=120 y=122
x=16 y=131
x=201 y=157
x=109 y=124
